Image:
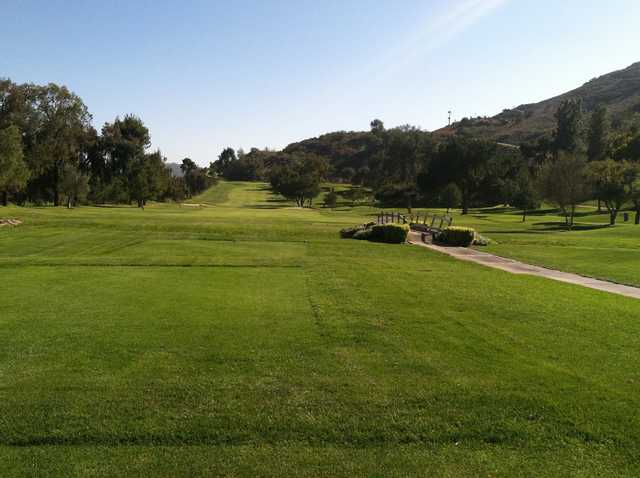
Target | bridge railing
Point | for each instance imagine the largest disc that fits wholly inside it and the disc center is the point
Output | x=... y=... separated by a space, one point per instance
x=418 y=222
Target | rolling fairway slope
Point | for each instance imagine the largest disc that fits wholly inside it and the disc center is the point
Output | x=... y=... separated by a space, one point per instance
x=242 y=338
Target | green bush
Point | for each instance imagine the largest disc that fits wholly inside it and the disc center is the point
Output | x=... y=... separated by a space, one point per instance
x=390 y=233
x=457 y=236
x=331 y=199
x=364 y=234
x=349 y=232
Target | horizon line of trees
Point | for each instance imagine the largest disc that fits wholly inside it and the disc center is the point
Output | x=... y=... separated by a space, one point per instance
x=50 y=153
x=583 y=158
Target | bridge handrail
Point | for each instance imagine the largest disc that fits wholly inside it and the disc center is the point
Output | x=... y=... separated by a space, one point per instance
x=430 y=222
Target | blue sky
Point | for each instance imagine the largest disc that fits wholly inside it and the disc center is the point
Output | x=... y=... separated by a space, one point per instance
x=204 y=74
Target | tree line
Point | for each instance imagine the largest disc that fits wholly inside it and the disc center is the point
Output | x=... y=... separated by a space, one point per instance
x=584 y=158
x=50 y=153
x=587 y=159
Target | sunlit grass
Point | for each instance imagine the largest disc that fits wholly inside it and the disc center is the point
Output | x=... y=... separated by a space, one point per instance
x=244 y=338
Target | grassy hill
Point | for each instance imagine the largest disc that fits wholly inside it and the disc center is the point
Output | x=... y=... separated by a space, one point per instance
x=619 y=91
x=239 y=336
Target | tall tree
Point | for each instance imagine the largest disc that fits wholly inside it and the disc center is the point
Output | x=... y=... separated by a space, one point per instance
x=13 y=170
x=377 y=126
x=64 y=124
x=564 y=183
x=568 y=133
x=598 y=137
x=405 y=152
x=633 y=187
x=462 y=161
x=609 y=183
x=226 y=157
x=149 y=178
x=189 y=169
x=74 y=185
x=123 y=141
x=524 y=195
x=451 y=196
x=299 y=177
x=330 y=199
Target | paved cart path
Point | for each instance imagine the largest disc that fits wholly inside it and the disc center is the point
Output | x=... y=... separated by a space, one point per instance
x=516 y=267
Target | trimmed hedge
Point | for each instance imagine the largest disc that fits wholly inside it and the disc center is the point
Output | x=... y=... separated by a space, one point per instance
x=349 y=232
x=364 y=234
x=457 y=236
x=390 y=233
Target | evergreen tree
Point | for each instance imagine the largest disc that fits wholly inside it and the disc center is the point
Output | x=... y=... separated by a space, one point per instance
x=451 y=196
x=598 y=139
x=568 y=133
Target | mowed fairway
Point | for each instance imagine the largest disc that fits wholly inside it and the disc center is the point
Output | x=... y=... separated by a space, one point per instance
x=239 y=336
x=592 y=248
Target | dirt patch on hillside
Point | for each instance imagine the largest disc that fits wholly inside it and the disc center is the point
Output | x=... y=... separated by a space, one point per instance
x=10 y=222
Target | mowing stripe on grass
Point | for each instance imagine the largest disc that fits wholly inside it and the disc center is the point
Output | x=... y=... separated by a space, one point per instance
x=517 y=267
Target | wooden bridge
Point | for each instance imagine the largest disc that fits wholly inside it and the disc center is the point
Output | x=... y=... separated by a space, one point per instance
x=425 y=223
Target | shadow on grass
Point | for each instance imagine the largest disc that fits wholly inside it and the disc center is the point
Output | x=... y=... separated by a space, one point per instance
x=561 y=226
x=117 y=206
x=542 y=212
x=516 y=231
x=267 y=206
x=273 y=203
x=494 y=210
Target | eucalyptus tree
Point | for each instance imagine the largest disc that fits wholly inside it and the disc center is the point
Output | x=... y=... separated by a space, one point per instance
x=61 y=136
x=13 y=170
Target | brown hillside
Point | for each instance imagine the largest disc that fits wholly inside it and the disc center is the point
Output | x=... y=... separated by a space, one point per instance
x=619 y=91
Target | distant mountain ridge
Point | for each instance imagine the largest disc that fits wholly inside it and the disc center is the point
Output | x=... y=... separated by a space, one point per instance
x=619 y=91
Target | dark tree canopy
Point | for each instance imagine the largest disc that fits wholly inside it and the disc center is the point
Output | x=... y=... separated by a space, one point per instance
x=598 y=135
x=62 y=155
x=461 y=161
x=299 y=176
x=13 y=170
x=564 y=183
x=568 y=134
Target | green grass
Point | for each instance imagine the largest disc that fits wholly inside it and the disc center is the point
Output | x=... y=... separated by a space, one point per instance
x=592 y=248
x=215 y=195
x=246 y=339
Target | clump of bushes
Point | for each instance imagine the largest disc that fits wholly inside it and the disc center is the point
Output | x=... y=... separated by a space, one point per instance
x=349 y=232
x=363 y=235
x=388 y=233
x=456 y=236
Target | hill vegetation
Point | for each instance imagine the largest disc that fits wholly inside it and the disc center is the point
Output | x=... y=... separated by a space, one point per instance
x=618 y=91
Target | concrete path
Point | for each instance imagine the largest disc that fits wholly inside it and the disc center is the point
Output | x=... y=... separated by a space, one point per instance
x=516 y=267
